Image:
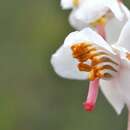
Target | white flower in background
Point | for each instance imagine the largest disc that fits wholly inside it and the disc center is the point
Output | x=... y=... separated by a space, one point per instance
x=89 y=11
x=70 y=4
x=112 y=14
x=114 y=25
x=86 y=55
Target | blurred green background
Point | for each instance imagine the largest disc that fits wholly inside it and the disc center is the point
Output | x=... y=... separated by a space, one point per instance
x=32 y=96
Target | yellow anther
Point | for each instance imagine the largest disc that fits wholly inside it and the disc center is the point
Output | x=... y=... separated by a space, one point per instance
x=76 y=2
x=91 y=75
x=128 y=56
x=100 y=21
x=106 y=75
x=108 y=67
x=100 y=59
x=84 y=67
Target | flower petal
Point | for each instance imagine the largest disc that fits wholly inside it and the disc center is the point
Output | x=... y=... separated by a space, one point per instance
x=124 y=79
x=92 y=10
x=67 y=4
x=114 y=6
x=65 y=65
x=124 y=39
x=125 y=10
x=87 y=35
x=113 y=29
x=76 y=23
x=117 y=89
x=113 y=33
x=111 y=92
x=123 y=76
x=63 y=62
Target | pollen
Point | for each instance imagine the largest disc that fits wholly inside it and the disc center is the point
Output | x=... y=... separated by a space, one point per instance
x=75 y=2
x=100 y=21
x=128 y=56
x=101 y=63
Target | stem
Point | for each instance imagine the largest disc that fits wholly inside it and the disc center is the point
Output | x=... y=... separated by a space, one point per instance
x=122 y=1
x=128 y=120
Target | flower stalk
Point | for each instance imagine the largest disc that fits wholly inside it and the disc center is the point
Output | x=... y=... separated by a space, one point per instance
x=128 y=120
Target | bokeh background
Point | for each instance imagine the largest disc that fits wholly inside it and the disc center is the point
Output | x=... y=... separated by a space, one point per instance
x=32 y=96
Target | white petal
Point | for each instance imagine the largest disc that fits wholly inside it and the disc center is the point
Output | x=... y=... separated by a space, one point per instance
x=87 y=35
x=92 y=10
x=121 y=52
x=125 y=10
x=124 y=81
x=114 y=6
x=117 y=90
x=123 y=76
x=111 y=92
x=113 y=29
x=76 y=23
x=114 y=26
x=67 y=4
x=63 y=62
x=124 y=39
x=65 y=65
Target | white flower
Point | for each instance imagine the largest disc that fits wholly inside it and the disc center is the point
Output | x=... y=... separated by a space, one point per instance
x=70 y=4
x=91 y=10
x=113 y=13
x=119 y=95
x=85 y=55
x=114 y=25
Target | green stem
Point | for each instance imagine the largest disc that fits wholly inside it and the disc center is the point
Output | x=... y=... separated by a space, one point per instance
x=128 y=120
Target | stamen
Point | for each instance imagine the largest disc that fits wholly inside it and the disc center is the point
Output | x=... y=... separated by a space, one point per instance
x=84 y=67
x=102 y=63
x=75 y=2
x=81 y=51
x=128 y=56
x=108 y=67
x=98 y=63
x=102 y=58
x=97 y=53
x=92 y=75
x=100 y=21
x=104 y=74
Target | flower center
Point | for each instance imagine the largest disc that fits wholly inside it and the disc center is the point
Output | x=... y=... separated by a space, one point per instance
x=95 y=60
x=100 y=21
x=75 y=2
